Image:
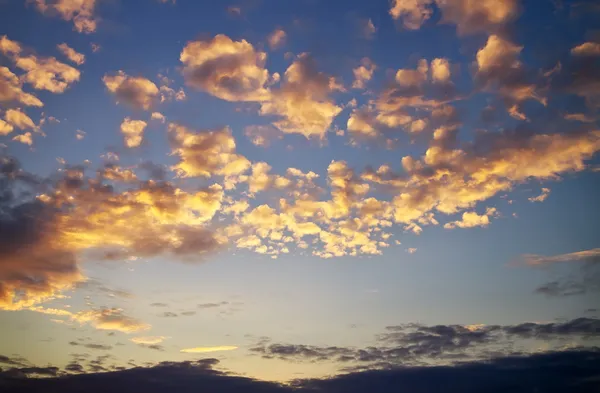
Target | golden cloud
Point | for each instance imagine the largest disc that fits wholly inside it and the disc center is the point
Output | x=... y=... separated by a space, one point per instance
x=230 y=70
x=133 y=131
x=138 y=92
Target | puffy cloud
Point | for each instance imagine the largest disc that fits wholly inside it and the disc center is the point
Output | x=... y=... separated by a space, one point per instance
x=81 y=12
x=138 y=92
x=277 y=38
x=71 y=54
x=230 y=70
x=19 y=119
x=5 y=128
x=303 y=101
x=363 y=73
x=478 y=16
x=586 y=49
x=412 y=13
x=133 y=131
x=158 y=116
x=440 y=70
x=209 y=349
x=43 y=73
x=472 y=220
x=542 y=197
x=499 y=67
x=11 y=90
x=168 y=94
x=206 y=153
x=26 y=138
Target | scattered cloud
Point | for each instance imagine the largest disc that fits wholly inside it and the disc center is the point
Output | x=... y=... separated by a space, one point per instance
x=138 y=92
x=277 y=39
x=71 y=54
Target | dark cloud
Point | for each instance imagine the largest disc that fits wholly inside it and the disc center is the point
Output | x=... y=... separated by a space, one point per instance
x=574 y=371
x=74 y=367
x=92 y=346
x=413 y=344
x=159 y=305
x=188 y=313
x=212 y=305
x=168 y=314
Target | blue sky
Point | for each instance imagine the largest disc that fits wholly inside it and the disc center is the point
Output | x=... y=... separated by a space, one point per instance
x=495 y=222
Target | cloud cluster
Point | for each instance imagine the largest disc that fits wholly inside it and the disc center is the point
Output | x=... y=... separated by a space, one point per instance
x=468 y=16
x=81 y=12
x=235 y=71
x=43 y=73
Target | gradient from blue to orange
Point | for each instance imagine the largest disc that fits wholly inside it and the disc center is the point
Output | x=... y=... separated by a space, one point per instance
x=459 y=276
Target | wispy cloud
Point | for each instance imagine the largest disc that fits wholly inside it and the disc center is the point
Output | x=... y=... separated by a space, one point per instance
x=209 y=349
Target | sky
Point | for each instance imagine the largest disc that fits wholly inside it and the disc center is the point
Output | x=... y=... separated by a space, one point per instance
x=315 y=191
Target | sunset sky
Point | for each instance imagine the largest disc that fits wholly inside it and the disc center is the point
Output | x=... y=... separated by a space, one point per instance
x=297 y=189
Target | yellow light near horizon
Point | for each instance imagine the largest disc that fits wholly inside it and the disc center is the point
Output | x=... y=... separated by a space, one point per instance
x=208 y=349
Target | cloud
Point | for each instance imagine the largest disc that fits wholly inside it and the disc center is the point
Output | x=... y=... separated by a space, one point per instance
x=478 y=16
x=158 y=116
x=230 y=70
x=212 y=305
x=542 y=197
x=587 y=49
x=570 y=370
x=412 y=13
x=363 y=73
x=43 y=73
x=472 y=219
x=33 y=265
x=499 y=68
x=138 y=92
x=5 y=128
x=92 y=346
x=17 y=118
x=426 y=90
x=148 y=340
x=209 y=349
x=26 y=138
x=578 y=256
x=110 y=319
x=142 y=219
x=81 y=12
x=71 y=54
x=206 y=153
x=11 y=90
x=302 y=103
x=368 y=29
x=277 y=39
x=582 y=276
x=133 y=131
x=262 y=135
